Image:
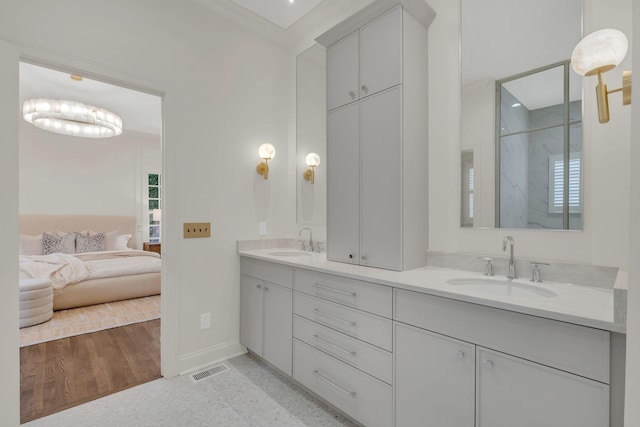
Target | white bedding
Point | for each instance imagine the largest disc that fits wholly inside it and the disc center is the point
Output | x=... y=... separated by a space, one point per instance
x=65 y=269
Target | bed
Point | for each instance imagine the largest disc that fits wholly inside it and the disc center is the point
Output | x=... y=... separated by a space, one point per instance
x=91 y=277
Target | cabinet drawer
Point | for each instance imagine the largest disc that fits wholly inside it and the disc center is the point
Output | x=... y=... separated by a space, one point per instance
x=359 y=395
x=269 y=271
x=370 y=359
x=572 y=348
x=367 y=327
x=376 y=299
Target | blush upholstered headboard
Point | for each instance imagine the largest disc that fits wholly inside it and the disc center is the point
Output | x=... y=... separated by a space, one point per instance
x=35 y=224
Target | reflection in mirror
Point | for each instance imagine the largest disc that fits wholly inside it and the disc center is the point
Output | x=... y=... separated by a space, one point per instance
x=520 y=115
x=311 y=113
x=538 y=123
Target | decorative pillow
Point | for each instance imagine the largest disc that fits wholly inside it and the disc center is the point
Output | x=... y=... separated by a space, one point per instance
x=117 y=242
x=30 y=245
x=65 y=244
x=90 y=243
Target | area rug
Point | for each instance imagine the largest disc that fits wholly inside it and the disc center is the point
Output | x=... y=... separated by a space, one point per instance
x=82 y=320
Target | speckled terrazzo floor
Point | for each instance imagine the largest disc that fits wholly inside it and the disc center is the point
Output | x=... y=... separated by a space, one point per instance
x=249 y=394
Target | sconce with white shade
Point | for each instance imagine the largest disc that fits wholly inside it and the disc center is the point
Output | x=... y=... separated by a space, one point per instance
x=313 y=160
x=266 y=152
x=598 y=53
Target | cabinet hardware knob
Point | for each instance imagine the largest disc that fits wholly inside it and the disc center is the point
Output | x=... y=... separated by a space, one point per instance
x=266 y=289
x=258 y=286
x=352 y=94
x=488 y=364
x=350 y=256
x=365 y=89
x=460 y=354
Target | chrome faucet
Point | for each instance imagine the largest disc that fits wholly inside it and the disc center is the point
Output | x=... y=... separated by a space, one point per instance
x=512 y=261
x=304 y=247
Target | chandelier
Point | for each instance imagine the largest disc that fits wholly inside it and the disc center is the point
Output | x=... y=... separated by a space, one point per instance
x=71 y=118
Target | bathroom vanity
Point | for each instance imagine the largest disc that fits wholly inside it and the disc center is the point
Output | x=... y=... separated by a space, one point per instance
x=434 y=346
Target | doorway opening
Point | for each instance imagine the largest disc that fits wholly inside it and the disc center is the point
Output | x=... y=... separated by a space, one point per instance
x=90 y=221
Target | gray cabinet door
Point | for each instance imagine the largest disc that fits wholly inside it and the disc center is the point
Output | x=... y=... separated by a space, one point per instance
x=434 y=379
x=277 y=327
x=342 y=72
x=251 y=314
x=515 y=392
x=381 y=53
x=381 y=180
x=343 y=184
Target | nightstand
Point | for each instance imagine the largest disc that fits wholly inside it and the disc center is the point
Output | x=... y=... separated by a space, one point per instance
x=152 y=247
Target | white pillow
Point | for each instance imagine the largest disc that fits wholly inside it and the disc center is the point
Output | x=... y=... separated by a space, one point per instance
x=30 y=245
x=117 y=242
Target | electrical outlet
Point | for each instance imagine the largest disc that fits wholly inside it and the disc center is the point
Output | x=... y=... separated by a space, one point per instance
x=194 y=230
x=205 y=321
x=262 y=228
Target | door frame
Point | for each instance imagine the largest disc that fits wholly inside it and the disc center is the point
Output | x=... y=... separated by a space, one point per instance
x=20 y=52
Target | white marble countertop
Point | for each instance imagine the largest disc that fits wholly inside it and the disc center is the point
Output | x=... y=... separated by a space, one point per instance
x=582 y=305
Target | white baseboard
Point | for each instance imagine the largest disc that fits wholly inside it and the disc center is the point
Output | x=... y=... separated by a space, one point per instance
x=209 y=356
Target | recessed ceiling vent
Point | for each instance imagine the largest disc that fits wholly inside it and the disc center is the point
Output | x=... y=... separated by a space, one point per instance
x=208 y=373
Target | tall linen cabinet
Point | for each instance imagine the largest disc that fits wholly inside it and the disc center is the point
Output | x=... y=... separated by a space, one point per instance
x=377 y=132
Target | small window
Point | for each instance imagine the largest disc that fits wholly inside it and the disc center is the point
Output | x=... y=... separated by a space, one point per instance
x=556 y=183
x=154 y=206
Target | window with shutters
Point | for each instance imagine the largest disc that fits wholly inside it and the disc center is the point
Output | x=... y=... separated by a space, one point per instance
x=468 y=184
x=556 y=183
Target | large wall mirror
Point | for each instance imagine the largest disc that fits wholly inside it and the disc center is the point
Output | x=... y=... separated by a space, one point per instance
x=311 y=136
x=521 y=115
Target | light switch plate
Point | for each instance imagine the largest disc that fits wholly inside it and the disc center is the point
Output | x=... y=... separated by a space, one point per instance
x=193 y=230
x=262 y=228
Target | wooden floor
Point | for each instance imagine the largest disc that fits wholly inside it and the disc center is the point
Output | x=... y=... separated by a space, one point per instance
x=60 y=374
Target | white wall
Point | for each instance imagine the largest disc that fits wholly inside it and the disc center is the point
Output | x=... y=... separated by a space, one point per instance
x=9 y=356
x=226 y=90
x=604 y=240
x=62 y=174
x=632 y=409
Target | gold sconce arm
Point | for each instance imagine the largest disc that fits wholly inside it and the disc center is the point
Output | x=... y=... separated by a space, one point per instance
x=263 y=169
x=602 y=95
x=310 y=174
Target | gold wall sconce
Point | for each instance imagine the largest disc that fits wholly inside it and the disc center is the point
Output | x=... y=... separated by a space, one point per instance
x=266 y=152
x=313 y=160
x=598 y=53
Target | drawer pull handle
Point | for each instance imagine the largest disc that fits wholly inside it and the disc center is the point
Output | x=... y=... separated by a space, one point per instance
x=337 y=319
x=334 y=346
x=488 y=364
x=317 y=373
x=337 y=291
x=460 y=354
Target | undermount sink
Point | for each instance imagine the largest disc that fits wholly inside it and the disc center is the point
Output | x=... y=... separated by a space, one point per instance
x=502 y=287
x=289 y=253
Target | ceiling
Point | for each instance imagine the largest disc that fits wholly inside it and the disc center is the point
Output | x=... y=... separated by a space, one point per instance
x=283 y=13
x=140 y=112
